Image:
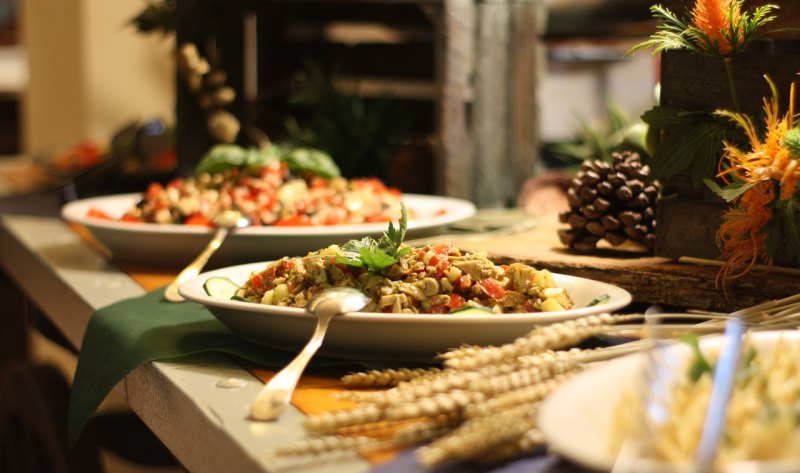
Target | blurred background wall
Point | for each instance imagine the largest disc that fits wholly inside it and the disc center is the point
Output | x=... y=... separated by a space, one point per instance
x=89 y=72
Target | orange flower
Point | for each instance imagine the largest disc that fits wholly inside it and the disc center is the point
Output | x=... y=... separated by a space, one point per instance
x=740 y=236
x=714 y=18
x=768 y=157
x=769 y=165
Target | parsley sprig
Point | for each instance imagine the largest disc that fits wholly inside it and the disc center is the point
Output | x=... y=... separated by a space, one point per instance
x=377 y=255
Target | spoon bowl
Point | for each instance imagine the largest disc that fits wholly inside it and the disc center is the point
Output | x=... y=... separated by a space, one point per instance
x=273 y=398
x=224 y=221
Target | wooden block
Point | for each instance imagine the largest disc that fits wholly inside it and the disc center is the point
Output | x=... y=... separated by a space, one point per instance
x=687 y=227
x=691 y=81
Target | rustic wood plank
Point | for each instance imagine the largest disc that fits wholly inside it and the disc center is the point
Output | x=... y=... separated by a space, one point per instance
x=650 y=279
x=454 y=56
x=691 y=81
x=528 y=61
x=687 y=227
x=490 y=120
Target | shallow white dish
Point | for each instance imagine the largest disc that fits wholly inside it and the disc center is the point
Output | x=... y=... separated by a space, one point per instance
x=576 y=418
x=175 y=244
x=377 y=336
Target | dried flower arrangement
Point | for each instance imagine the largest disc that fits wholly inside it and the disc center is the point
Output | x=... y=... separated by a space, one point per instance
x=746 y=165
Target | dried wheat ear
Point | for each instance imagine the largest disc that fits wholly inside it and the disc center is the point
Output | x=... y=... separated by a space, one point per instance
x=482 y=406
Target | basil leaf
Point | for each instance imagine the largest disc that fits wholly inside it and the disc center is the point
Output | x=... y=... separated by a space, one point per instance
x=299 y=160
x=311 y=160
x=221 y=158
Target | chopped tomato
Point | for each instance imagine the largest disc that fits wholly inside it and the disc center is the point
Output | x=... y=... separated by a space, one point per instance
x=438 y=309
x=443 y=248
x=492 y=288
x=456 y=301
x=333 y=219
x=295 y=220
x=97 y=213
x=198 y=219
x=131 y=218
x=441 y=267
x=284 y=268
x=376 y=218
x=318 y=182
x=258 y=282
x=153 y=191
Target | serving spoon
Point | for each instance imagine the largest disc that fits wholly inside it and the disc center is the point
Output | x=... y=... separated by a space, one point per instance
x=225 y=221
x=273 y=398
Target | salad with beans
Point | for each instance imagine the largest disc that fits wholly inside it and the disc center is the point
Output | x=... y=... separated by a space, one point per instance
x=276 y=186
x=437 y=279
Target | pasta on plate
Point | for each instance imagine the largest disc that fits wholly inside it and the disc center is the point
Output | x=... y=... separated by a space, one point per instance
x=763 y=420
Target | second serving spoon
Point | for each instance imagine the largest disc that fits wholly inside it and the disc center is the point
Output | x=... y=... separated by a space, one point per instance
x=276 y=394
x=225 y=221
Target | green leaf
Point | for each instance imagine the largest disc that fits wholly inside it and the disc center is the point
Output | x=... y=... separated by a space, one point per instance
x=692 y=142
x=320 y=163
x=223 y=157
x=700 y=364
x=375 y=259
x=730 y=192
x=377 y=255
x=393 y=238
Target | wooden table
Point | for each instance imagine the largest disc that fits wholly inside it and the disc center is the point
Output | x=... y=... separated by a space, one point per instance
x=204 y=426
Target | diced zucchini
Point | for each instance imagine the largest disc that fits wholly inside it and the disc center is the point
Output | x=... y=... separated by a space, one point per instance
x=220 y=287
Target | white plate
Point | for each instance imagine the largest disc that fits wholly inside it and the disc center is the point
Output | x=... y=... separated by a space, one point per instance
x=174 y=244
x=377 y=336
x=576 y=418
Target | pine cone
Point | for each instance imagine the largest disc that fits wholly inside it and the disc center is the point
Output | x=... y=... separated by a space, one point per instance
x=612 y=202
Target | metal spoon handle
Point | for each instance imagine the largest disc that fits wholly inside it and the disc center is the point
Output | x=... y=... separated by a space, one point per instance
x=273 y=398
x=194 y=268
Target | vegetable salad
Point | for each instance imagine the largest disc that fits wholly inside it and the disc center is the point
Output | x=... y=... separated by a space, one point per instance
x=432 y=279
x=276 y=185
x=272 y=196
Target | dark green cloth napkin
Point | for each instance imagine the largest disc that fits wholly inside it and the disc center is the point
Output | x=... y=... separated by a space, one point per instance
x=126 y=334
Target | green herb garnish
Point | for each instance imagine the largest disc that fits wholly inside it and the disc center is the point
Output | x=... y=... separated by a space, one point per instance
x=700 y=364
x=300 y=160
x=377 y=255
